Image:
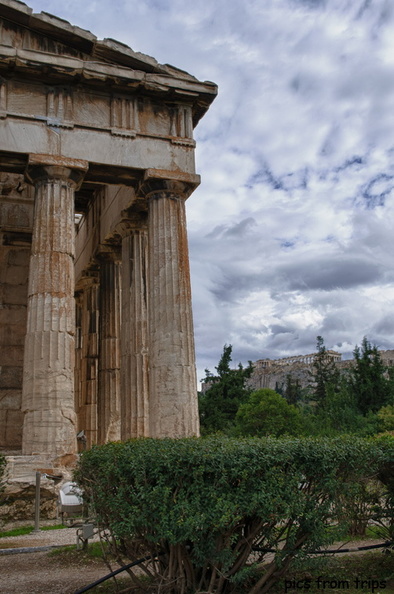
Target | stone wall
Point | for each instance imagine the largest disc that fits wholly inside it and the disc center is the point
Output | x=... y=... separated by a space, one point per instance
x=18 y=499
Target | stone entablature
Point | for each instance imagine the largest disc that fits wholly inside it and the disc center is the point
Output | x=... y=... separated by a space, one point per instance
x=96 y=297
x=101 y=95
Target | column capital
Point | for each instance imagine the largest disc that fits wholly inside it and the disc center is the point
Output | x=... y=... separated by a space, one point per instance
x=108 y=253
x=132 y=222
x=89 y=279
x=158 y=183
x=44 y=167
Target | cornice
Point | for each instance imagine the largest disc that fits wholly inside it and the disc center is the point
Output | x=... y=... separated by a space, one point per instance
x=101 y=62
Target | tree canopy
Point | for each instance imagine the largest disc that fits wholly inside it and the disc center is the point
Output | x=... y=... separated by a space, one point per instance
x=357 y=400
x=267 y=413
x=227 y=390
x=325 y=374
x=369 y=384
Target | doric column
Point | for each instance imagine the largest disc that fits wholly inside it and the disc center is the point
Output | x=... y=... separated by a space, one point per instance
x=108 y=397
x=172 y=375
x=78 y=358
x=87 y=359
x=134 y=335
x=48 y=374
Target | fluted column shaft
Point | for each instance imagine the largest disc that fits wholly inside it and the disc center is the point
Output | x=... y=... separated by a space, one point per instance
x=48 y=381
x=172 y=378
x=87 y=369
x=78 y=357
x=134 y=380
x=108 y=397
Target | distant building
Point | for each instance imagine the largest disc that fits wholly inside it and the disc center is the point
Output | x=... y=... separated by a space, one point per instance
x=304 y=359
x=273 y=373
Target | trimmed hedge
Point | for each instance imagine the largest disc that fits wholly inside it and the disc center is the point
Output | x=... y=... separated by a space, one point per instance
x=204 y=504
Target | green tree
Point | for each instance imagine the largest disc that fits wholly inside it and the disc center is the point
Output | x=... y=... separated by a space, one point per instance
x=340 y=415
x=267 y=413
x=371 y=389
x=293 y=390
x=386 y=417
x=324 y=376
x=227 y=390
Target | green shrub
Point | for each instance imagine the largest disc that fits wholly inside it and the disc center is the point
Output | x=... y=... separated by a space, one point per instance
x=204 y=504
x=267 y=413
x=386 y=417
x=384 y=509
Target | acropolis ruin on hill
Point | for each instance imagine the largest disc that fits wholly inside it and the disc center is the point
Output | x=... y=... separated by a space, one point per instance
x=273 y=373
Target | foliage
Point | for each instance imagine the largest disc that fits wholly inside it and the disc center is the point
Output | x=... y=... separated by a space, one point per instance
x=268 y=413
x=339 y=416
x=386 y=417
x=384 y=509
x=293 y=391
x=360 y=505
x=357 y=402
x=325 y=374
x=370 y=387
x=199 y=506
x=219 y=404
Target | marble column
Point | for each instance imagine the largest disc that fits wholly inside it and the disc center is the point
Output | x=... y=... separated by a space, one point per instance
x=108 y=397
x=172 y=375
x=134 y=335
x=86 y=368
x=78 y=358
x=48 y=374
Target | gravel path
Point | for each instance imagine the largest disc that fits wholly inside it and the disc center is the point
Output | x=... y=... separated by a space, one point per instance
x=41 y=572
x=65 y=536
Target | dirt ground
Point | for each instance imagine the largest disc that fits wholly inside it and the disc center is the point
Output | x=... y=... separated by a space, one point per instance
x=40 y=572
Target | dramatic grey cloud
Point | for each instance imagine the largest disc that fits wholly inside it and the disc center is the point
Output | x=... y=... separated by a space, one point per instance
x=291 y=229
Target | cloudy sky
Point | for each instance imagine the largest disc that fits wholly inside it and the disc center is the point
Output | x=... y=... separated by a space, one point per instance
x=290 y=232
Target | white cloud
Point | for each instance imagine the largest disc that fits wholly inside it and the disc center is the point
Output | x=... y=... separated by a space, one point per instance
x=290 y=231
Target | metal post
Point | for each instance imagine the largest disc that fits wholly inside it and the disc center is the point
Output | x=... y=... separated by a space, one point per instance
x=37 y=503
